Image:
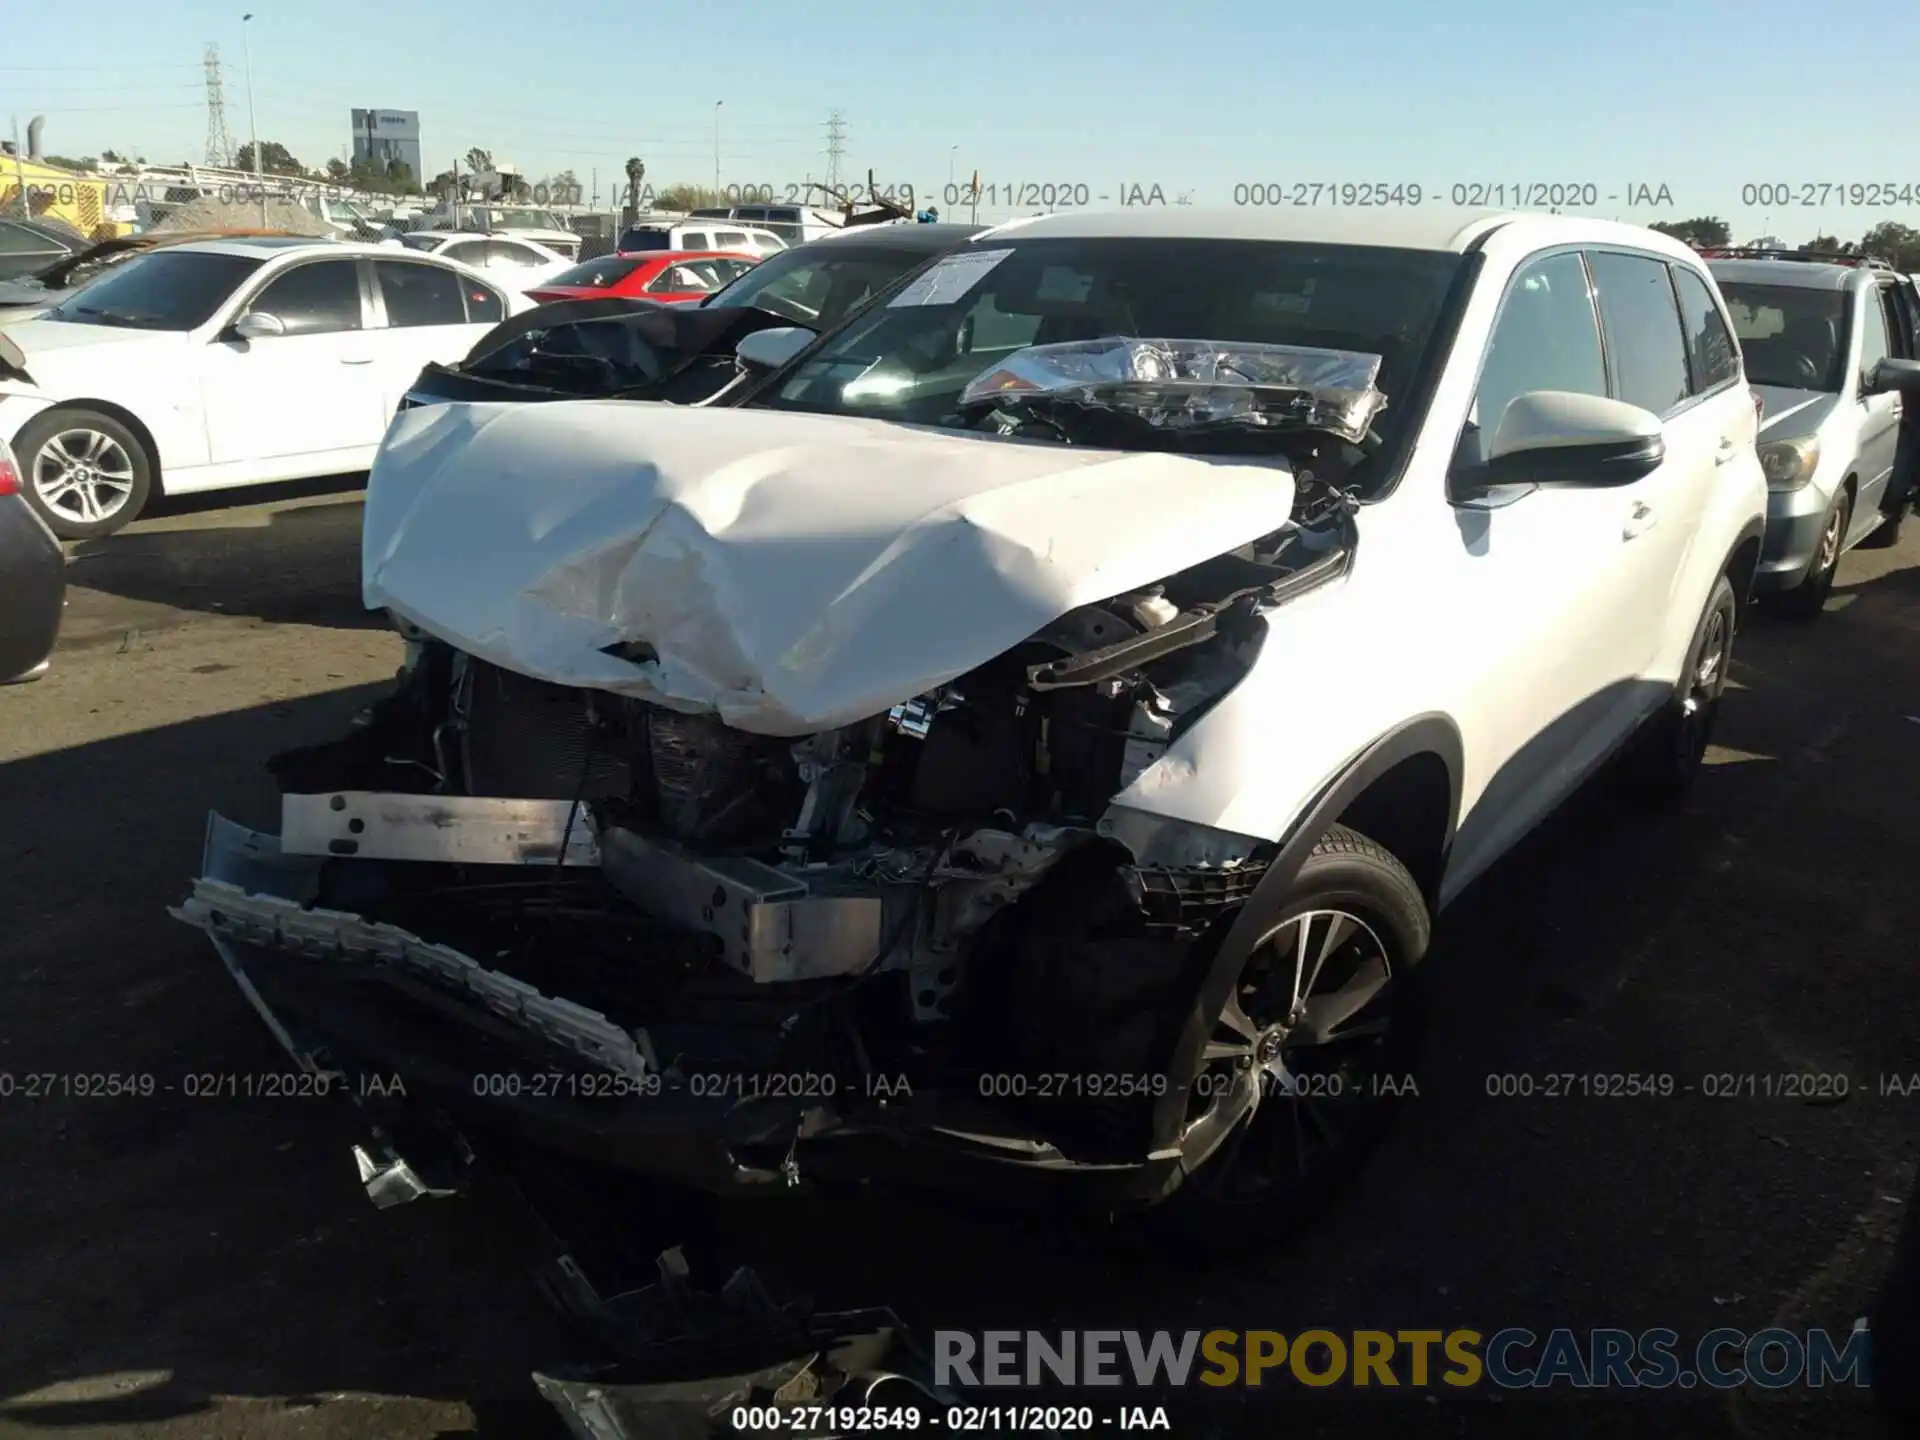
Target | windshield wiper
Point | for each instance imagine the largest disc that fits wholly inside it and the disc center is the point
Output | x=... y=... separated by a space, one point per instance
x=114 y=317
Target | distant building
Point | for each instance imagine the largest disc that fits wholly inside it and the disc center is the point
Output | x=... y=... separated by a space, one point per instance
x=383 y=136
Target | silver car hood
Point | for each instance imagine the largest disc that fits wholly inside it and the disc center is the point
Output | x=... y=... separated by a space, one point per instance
x=790 y=572
x=1787 y=411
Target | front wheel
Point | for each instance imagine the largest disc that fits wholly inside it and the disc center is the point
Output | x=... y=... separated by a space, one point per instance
x=1807 y=599
x=85 y=473
x=1311 y=1053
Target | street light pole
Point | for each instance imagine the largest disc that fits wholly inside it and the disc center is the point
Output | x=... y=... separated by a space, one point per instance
x=953 y=155
x=716 y=150
x=253 y=127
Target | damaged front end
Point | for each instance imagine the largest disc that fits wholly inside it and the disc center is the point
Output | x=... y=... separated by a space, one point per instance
x=697 y=938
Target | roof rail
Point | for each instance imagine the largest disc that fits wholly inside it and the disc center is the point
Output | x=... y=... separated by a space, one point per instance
x=1817 y=257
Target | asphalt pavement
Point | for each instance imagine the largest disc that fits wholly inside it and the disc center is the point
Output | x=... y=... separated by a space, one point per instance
x=180 y=1268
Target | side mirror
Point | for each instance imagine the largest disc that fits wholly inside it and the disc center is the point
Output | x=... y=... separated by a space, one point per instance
x=1555 y=437
x=258 y=325
x=1891 y=374
x=765 y=351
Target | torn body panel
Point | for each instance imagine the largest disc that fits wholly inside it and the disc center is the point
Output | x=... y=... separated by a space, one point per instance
x=763 y=769
x=790 y=573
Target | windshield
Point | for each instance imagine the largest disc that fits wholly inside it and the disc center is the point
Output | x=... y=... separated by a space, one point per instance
x=515 y=219
x=817 y=288
x=910 y=358
x=607 y=270
x=1792 y=336
x=160 y=290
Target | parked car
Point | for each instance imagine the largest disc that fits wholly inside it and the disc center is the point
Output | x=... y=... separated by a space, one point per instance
x=670 y=277
x=226 y=363
x=1830 y=344
x=705 y=236
x=33 y=577
x=344 y=219
x=1101 y=656
x=31 y=295
x=512 y=261
x=621 y=346
x=819 y=283
x=795 y=224
x=27 y=246
x=515 y=222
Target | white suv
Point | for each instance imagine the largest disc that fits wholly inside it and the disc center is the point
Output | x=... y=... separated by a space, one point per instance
x=1068 y=689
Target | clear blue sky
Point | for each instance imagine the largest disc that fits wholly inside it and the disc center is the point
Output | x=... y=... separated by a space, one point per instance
x=1197 y=96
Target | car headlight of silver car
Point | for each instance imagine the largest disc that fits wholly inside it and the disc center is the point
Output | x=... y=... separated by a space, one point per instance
x=1789 y=464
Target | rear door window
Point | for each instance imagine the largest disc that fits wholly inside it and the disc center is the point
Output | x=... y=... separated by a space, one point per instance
x=485 y=306
x=467 y=252
x=417 y=294
x=1641 y=322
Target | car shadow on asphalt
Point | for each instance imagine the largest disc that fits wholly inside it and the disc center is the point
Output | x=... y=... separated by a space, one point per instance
x=300 y=567
x=227 y=1243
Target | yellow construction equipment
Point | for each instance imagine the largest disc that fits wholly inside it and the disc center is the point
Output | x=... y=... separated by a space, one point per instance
x=79 y=199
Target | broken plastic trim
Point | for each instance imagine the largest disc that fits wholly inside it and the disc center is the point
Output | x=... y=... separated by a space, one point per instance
x=1190 y=628
x=1191 y=384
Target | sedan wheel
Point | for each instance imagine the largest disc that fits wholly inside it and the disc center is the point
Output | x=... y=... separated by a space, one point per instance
x=86 y=474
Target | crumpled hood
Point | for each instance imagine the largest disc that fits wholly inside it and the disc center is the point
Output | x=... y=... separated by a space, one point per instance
x=791 y=572
x=1787 y=411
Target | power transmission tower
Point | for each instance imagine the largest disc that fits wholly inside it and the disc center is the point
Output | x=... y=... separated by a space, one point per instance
x=836 y=145
x=219 y=143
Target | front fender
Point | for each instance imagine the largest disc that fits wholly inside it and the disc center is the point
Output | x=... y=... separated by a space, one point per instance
x=1314 y=701
x=1424 y=734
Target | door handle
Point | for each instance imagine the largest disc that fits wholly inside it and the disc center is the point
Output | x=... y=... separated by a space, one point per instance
x=1639 y=520
x=1726 y=452
x=363 y=360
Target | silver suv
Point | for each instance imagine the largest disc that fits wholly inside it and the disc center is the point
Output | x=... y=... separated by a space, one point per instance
x=1830 y=343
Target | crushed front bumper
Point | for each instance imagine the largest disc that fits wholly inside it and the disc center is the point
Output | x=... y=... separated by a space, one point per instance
x=434 y=1036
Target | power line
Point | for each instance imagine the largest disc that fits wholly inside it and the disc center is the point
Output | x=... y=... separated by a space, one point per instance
x=836 y=145
x=219 y=143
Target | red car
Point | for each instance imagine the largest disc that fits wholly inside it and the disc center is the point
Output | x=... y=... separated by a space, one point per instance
x=672 y=277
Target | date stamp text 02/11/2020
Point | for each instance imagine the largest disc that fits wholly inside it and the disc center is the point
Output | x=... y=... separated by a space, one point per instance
x=1068 y=194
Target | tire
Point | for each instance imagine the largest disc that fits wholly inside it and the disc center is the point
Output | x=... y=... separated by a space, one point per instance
x=1345 y=1093
x=115 y=474
x=1669 y=751
x=1807 y=599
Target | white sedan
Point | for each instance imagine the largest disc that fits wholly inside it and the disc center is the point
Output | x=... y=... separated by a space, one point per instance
x=513 y=260
x=226 y=363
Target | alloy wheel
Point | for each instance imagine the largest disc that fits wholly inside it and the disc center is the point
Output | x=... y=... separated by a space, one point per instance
x=1705 y=684
x=1297 y=1051
x=83 y=475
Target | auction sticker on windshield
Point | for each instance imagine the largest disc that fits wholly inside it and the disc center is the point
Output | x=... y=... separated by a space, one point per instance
x=949 y=280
